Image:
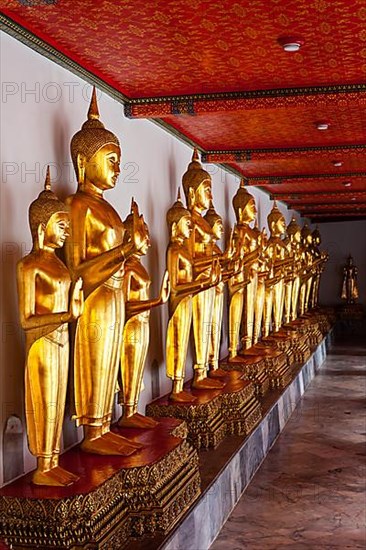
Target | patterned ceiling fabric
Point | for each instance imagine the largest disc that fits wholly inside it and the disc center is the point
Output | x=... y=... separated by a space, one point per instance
x=151 y=49
x=295 y=127
x=166 y=47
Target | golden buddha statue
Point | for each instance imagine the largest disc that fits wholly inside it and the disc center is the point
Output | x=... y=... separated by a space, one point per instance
x=242 y=287
x=95 y=251
x=228 y=263
x=294 y=235
x=136 y=331
x=47 y=302
x=183 y=286
x=307 y=269
x=278 y=253
x=197 y=189
x=263 y=279
x=349 y=283
x=321 y=258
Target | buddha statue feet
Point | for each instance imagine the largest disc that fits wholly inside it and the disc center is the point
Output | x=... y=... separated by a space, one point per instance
x=235 y=359
x=207 y=384
x=103 y=445
x=119 y=439
x=137 y=420
x=55 y=477
x=182 y=397
x=217 y=373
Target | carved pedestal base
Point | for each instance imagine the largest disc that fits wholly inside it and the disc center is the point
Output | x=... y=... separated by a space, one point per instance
x=276 y=363
x=115 y=498
x=300 y=341
x=216 y=413
x=315 y=335
x=254 y=369
x=205 y=423
x=240 y=408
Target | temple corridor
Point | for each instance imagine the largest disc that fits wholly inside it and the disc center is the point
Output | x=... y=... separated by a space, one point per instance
x=310 y=491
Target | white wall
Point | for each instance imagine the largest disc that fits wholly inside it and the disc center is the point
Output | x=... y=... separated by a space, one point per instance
x=341 y=240
x=43 y=105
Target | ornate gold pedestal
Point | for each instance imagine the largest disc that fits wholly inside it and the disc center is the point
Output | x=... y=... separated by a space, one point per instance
x=205 y=423
x=276 y=362
x=253 y=368
x=300 y=340
x=116 y=497
x=327 y=317
x=240 y=408
x=216 y=413
x=315 y=335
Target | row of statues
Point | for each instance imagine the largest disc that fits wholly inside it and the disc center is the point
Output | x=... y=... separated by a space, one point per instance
x=103 y=292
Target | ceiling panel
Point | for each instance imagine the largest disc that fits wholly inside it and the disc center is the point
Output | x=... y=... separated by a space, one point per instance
x=215 y=74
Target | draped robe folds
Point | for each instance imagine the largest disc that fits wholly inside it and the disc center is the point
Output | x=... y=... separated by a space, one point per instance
x=179 y=263
x=43 y=287
x=96 y=228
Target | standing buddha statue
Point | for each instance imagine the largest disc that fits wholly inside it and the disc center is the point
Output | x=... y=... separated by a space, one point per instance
x=349 y=284
x=307 y=269
x=197 y=189
x=242 y=287
x=136 y=331
x=183 y=285
x=279 y=255
x=228 y=263
x=47 y=303
x=294 y=235
x=96 y=252
x=321 y=258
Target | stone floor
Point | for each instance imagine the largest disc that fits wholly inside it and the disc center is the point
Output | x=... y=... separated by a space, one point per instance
x=310 y=492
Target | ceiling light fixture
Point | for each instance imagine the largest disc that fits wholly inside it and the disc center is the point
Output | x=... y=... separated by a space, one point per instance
x=290 y=43
x=347 y=183
x=322 y=125
x=337 y=163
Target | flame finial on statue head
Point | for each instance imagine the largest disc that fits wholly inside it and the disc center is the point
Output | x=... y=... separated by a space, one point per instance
x=194 y=176
x=45 y=205
x=92 y=136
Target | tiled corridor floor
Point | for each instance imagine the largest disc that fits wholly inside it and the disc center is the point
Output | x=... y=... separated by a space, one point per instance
x=310 y=492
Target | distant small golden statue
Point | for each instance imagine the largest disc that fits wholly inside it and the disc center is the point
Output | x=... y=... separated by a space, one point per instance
x=349 y=285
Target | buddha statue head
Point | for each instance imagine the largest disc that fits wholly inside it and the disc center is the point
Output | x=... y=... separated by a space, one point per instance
x=294 y=230
x=197 y=185
x=244 y=205
x=95 y=152
x=306 y=235
x=130 y=223
x=276 y=221
x=316 y=237
x=215 y=222
x=179 y=220
x=48 y=219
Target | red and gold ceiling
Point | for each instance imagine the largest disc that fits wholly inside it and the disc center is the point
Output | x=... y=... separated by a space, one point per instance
x=216 y=74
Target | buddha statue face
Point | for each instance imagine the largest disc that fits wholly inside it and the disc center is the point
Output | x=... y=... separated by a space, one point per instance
x=103 y=169
x=202 y=196
x=183 y=227
x=278 y=226
x=56 y=230
x=145 y=241
x=218 y=229
x=248 y=213
x=316 y=237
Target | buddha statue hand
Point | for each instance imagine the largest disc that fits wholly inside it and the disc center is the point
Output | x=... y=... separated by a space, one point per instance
x=165 y=288
x=77 y=300
x=139 y=237
x=216 y=272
